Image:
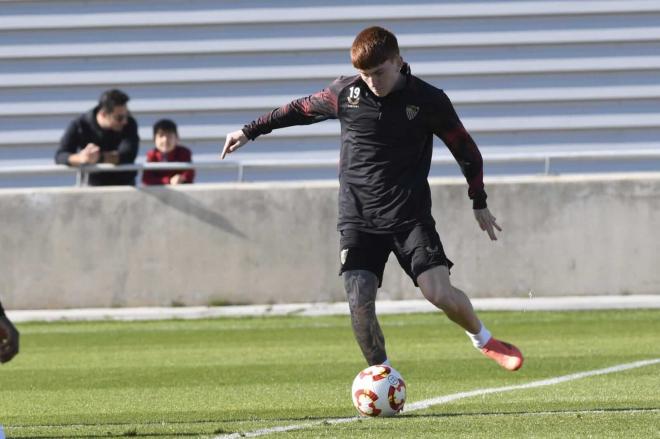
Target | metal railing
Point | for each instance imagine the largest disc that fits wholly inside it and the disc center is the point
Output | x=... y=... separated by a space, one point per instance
x=546 y=158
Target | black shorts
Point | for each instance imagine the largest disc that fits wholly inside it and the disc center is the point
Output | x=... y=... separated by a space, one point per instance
x=417 y=250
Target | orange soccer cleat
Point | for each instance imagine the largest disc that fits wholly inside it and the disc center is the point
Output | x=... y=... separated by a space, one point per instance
x=506 y=355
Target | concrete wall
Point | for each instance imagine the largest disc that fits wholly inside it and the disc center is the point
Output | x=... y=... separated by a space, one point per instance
x=267 y=243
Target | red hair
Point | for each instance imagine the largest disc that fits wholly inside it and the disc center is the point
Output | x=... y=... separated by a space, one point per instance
x=372 y=47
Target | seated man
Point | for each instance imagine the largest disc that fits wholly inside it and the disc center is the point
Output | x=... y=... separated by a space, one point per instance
x=105 y=134
x=167 y=149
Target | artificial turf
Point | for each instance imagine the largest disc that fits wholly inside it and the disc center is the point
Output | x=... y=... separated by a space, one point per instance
x=204 y=378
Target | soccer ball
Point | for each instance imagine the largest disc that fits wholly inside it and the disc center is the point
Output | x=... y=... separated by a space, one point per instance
x=378 y=391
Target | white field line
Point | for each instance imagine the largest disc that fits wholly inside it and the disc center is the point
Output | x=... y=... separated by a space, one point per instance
x=420 y=405
x=568 y=412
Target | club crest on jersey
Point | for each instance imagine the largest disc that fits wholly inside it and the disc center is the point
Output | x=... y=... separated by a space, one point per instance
x=411 y=111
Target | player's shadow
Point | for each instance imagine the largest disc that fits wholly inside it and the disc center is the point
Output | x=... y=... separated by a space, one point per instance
x=186 y=204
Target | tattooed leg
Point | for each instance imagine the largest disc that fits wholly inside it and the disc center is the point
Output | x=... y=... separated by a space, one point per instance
x=361 y=287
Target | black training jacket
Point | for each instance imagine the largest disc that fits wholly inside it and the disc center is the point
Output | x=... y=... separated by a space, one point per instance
x=386 y=149
x=84 y=129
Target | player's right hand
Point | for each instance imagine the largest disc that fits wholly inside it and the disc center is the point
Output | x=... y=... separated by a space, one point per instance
x=8 y=340
x=234 y=141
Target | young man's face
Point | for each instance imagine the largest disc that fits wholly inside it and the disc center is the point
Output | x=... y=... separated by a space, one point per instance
x=165 y=140
x=382 y=79
x=114 y=121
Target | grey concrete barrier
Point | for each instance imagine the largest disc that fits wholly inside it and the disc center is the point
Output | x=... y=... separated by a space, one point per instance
x=262 y=243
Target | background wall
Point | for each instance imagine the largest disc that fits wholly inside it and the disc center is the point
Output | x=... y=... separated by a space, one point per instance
x=525 y=76
x=268 y=243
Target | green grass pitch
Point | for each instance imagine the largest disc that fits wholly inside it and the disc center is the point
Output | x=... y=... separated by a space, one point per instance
x=204 y=378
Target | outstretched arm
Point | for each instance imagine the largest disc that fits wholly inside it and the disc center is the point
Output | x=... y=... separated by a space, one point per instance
x=304 y=111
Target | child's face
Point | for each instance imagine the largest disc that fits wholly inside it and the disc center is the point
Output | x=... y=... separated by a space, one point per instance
x=165 y=140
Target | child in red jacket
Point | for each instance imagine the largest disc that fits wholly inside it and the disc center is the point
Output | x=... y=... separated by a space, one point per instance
x=167 y=149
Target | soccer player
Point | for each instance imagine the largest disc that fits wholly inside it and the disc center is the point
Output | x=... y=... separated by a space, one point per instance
x=388 y=118
x=8 y=338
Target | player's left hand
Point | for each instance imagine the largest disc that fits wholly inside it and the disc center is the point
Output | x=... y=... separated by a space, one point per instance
x=8 y=340
x=487 y=222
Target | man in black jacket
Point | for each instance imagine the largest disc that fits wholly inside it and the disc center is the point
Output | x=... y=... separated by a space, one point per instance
x=105 y=134
x=8 y=338
x=388 y=119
